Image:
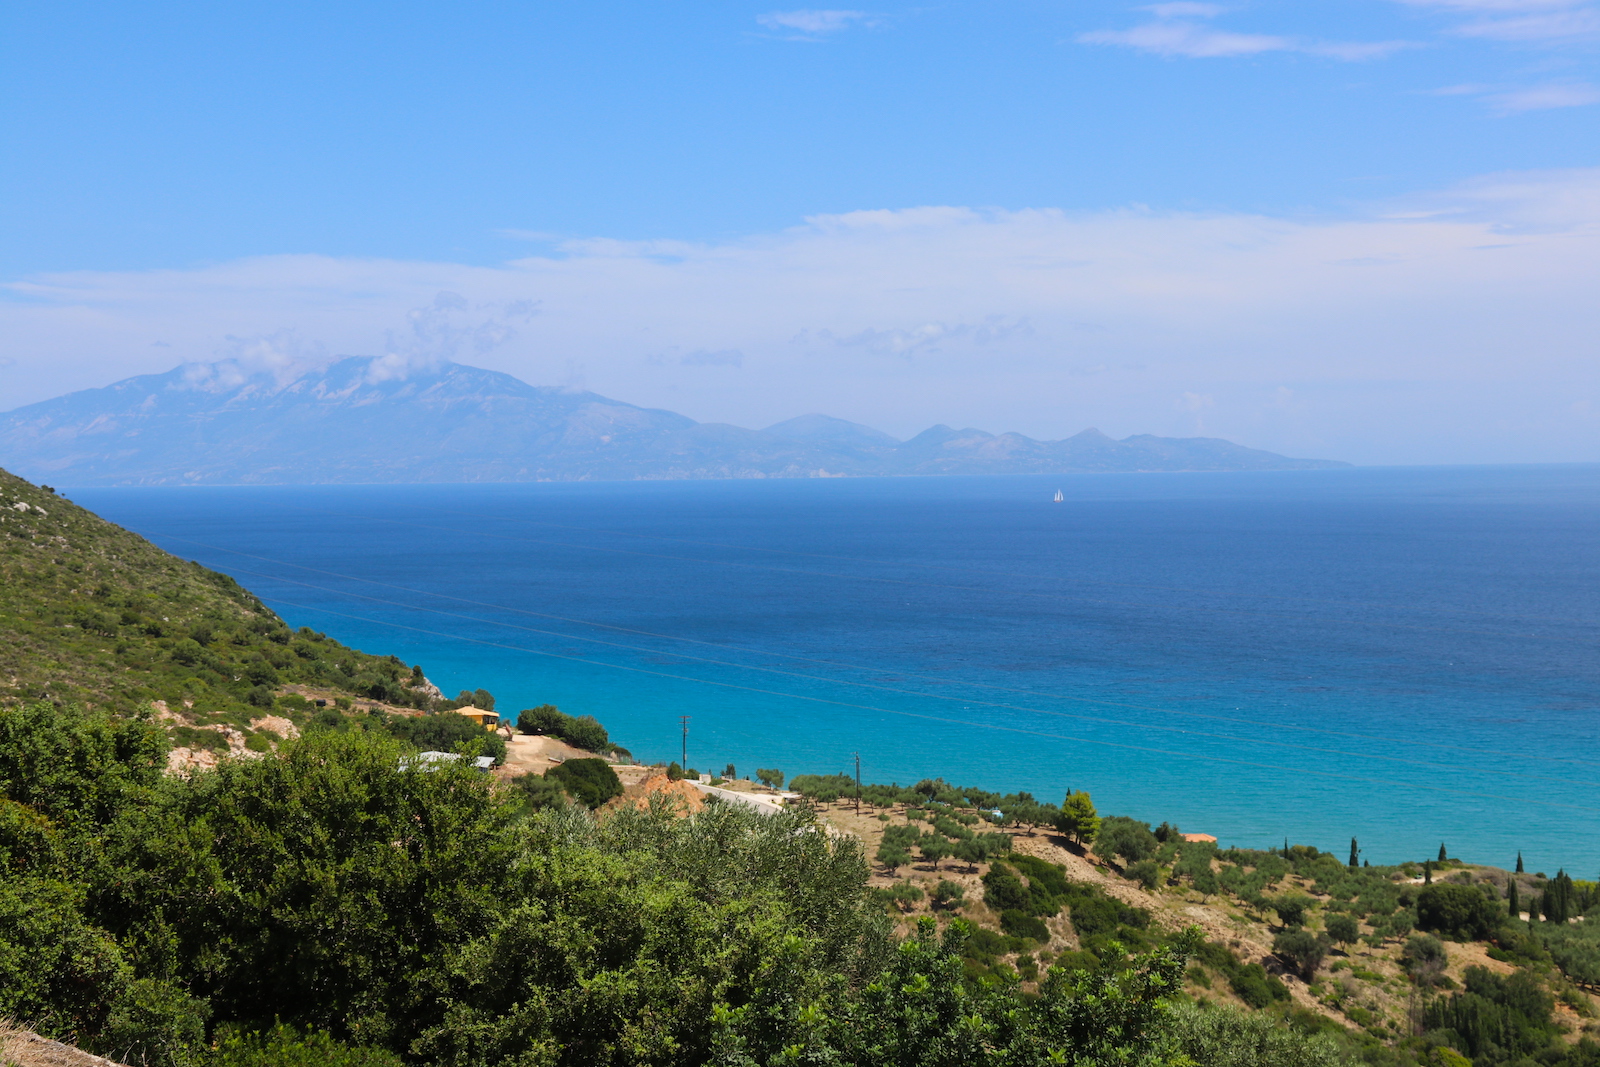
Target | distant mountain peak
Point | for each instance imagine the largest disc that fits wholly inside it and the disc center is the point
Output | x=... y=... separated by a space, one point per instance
x=384 y=419
x=825 y=429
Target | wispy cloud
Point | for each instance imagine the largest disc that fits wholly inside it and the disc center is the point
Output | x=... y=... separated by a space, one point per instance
x=1544 y=97
x=1176 y=32
x=1459 y=327
x=1517 y=6
x=1514 y=100
x=926 y=337
x=1188 y=39
x=1185 y=10
x=1547 y=21
x=813 y=24
x=1552 y=26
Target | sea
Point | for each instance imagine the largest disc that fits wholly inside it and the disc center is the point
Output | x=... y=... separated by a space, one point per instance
x=1405 y=656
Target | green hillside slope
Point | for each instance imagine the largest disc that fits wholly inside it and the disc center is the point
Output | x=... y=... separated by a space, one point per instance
x=96 y=615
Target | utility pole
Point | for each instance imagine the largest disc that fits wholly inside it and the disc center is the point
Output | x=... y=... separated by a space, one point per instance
x=685 y=720
x=857 y=756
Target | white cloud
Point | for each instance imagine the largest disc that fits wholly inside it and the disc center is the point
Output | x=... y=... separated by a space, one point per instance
x=1184 y=10
x=1188 y=39
x=1173 y=34
x=1454 y=327
x=1496 y=5
x=1514 y=100
x=1552 y=26
x=1546 y=21
x=1544 y=97
x=812 y=23
x=701 y=357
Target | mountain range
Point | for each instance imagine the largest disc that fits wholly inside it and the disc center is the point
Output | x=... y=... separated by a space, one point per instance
x=361 y=420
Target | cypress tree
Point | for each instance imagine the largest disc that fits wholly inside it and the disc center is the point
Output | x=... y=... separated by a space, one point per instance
x=1442 y=855
x=1512 y=906
x=1427 y=872
x=1355 y=854
x=1519 y=861
x=1366 y=863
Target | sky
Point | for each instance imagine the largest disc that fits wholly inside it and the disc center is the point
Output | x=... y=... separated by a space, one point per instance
x=1364 y=229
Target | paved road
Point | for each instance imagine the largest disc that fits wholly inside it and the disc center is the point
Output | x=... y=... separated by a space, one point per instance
x=762 y=802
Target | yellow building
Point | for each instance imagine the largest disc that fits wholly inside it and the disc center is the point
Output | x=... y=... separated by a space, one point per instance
x=486 y=719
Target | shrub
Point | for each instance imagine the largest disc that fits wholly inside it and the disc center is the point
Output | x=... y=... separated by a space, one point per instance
x=902 y=895
x=539 y=792
x=1146 y=872
x=283 y=1047
x=446 y=732
x=589 y=780
x=1291 y=909
x=1125 y=837
x=1423 y=958
x=1342 y=929
x=544 y=719
x=1462 y=912
x=1021 y=924
x=1302 y=949
x=1004 y=891
x=1252 y=984
x=1228 y=1037
x=948 y=894
x=585 y=732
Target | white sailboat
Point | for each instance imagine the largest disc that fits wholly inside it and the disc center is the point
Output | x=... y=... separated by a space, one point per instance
x=1059 y=497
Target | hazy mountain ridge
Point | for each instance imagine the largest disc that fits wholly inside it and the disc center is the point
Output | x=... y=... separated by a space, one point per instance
x=362 y=420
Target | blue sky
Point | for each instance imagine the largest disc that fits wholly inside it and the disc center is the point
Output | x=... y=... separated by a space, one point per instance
x=194 y=181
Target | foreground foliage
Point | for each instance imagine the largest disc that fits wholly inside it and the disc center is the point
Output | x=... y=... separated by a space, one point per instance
x=333 y=903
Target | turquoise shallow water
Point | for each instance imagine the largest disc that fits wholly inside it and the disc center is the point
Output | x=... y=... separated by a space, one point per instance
x=1403 y=655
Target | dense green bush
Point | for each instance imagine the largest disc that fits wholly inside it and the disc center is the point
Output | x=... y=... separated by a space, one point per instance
x=535 y=792
x=1500 y=1019
x=371 y=906
x=282 y=1046
x=583 y=732
x=1301 y=949
x=1224 y=1037
x=1458 y=911
x=1250 y=982
x=1342 y=929
x=448 y=732
x=591 y=781
x=1127 y=838
x=1019 y=923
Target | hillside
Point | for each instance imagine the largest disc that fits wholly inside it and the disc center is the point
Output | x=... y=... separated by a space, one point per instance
x=1391 y=961
x=96 y=615
x=359 y=420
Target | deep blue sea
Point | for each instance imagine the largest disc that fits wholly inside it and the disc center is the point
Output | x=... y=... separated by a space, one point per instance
x=1407 y=656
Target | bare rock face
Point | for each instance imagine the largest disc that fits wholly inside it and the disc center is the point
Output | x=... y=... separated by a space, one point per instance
x=276 y=724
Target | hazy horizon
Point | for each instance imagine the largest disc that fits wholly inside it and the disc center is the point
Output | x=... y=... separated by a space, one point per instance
x=1365 y=232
